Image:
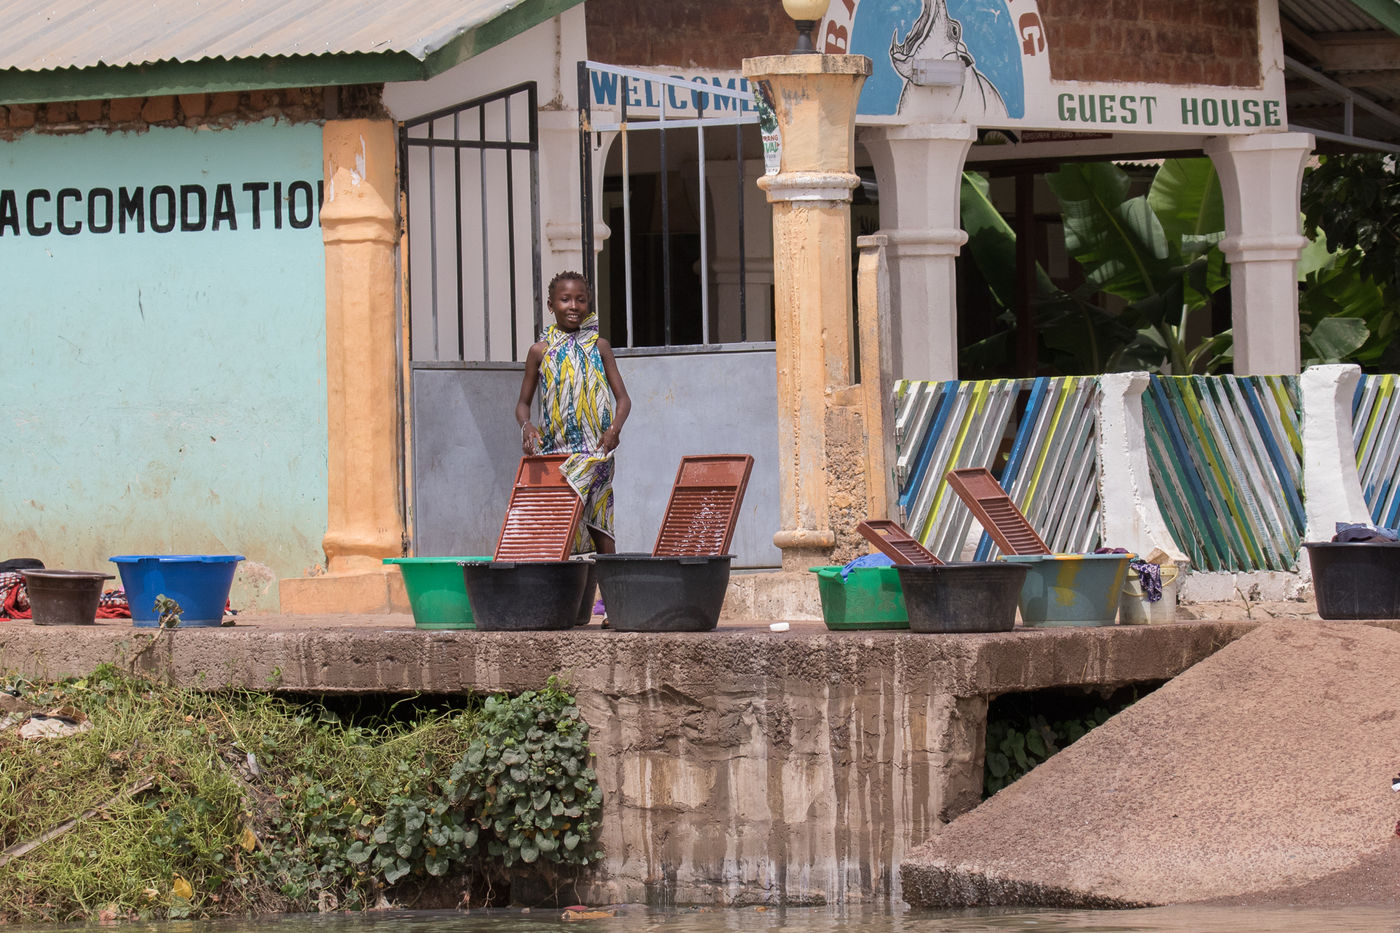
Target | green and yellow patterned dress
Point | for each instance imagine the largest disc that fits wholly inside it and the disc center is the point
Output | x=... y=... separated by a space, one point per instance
x=576 y=407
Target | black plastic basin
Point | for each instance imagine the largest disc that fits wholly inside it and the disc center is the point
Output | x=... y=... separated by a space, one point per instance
x=64 y=597
x=978 y=596
x=1355 y=579
x=663 y=594
x=525 y=596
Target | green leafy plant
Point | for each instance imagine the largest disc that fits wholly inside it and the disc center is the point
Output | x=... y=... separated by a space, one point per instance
x=1154 y=271
x=526 y=780
x=1025 y=729
x=168 y=611
x=1014 y=748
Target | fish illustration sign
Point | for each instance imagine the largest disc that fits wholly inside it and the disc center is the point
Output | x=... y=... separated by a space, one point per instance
x=988 y=62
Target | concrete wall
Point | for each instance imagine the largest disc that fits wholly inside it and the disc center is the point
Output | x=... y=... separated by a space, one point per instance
x=164 y=391
x=466 y=446
x=738 y=766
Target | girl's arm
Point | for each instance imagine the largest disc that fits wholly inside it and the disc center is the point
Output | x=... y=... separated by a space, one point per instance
x=623 y=407
x=529 y=434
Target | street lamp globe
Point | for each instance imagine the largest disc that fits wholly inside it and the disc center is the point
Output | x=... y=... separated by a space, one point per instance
x=806 y=13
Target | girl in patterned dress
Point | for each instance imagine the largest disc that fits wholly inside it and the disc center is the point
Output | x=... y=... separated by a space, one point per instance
x=583 y=405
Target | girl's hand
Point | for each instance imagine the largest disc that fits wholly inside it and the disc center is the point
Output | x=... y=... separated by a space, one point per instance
x=611 y=438
x=529 y=439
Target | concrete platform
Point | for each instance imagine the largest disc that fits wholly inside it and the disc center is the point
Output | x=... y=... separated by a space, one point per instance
x=1262 y=775
x=738 y=766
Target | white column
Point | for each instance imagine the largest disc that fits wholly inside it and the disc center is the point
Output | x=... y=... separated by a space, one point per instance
x=1261 y=177
x=919 y=171
x=559 y=192
x=1127 y=503
x=723 y=186
x=1331 y=484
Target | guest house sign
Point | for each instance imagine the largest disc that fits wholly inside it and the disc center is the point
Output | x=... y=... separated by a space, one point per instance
x=985 y=62
x=988 y=62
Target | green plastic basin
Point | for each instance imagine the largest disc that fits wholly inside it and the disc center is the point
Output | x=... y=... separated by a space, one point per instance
x=436 y=592
x=868 y=598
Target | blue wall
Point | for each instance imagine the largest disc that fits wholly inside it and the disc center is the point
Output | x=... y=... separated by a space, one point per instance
x=164 y=392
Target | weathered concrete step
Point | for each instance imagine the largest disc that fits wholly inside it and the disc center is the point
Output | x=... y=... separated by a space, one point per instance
x=1262 y=774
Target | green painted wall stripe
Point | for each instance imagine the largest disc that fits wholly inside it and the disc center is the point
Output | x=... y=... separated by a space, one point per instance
x=507 y=25
x=104 y=82
x=1387 y=12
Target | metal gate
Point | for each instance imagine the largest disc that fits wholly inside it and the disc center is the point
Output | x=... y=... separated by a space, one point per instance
x=472 y=207
x=648 y=102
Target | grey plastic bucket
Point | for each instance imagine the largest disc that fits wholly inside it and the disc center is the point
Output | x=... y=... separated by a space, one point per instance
x=978 y=596
x=663 y=594
x=525 y=596
x=1355 y=579
x=64 y=597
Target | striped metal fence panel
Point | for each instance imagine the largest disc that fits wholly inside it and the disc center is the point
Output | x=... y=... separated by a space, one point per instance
x=1375 y=431
x=1225 y=455
x=1050 y=471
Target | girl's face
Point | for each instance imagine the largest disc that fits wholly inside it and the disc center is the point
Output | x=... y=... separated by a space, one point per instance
x=569 y=304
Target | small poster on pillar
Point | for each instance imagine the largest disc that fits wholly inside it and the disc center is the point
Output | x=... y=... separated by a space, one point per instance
x=768 y=127
x=988 y=62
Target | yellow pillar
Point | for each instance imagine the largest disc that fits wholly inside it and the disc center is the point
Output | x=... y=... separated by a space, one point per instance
x=365 y=521
x=820 y=444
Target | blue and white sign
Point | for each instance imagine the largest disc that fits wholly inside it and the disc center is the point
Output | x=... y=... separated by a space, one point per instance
x=987 y=62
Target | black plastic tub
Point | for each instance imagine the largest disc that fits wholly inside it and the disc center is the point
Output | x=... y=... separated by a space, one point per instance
x=1355 y=579
x=525 y=596
x=663 y=594
x=978 y=596
x=64 y=597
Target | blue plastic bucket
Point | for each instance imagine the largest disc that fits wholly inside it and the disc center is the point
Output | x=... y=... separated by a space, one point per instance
x=1071 y=589
x=198 y=582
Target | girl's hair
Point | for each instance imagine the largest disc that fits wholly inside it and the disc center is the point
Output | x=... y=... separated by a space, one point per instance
x=568 y=276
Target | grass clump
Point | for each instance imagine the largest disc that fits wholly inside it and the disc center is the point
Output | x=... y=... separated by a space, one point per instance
x=175 y=803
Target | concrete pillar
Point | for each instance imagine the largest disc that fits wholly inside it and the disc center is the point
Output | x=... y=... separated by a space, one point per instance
x=1127 y=504
x=876 y=374
x=1261 y=177
x=756 y=261
x=365 y=520
x=1331 y=484
x=815 y=101
x=919 y=170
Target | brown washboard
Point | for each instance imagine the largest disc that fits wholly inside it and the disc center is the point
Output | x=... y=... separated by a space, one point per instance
x=543 y=515
x=896 y=543
x=704 y=506
x=990 y=505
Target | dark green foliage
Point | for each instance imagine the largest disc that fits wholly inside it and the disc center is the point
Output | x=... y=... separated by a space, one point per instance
x=1025 y=729
x=1354 y=200
x=1351 y=295
x=526 y=780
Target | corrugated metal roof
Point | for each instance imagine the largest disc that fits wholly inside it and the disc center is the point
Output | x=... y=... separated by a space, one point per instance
x=1357 y=57
x=1317 y=16
x=42 y=35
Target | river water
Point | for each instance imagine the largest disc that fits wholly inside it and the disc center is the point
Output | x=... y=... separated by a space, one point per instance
x=805 y=920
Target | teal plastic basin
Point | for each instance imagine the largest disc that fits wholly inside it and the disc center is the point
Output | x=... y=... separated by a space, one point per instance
x=1071 y=589
x=436 y=592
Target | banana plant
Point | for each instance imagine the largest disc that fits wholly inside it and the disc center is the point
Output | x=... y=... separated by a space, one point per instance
x=1158 y=256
